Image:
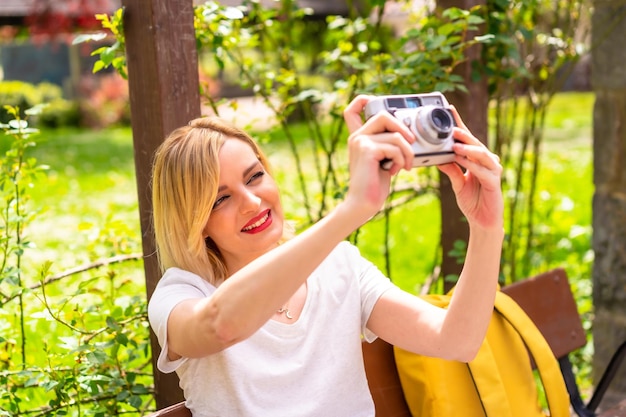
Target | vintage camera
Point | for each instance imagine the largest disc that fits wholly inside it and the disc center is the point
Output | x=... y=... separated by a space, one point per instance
x=430 y=120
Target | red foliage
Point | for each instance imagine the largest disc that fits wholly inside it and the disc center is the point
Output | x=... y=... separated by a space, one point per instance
x=58 y=20
x=104 y=100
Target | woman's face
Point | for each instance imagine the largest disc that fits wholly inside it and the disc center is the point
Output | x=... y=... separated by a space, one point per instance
x=247 y=217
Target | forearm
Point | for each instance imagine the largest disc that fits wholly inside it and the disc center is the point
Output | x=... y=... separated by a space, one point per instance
x=471 y=306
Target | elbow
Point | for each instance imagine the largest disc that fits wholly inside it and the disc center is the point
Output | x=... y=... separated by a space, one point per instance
x=199 y=328
x=214 y=332
x=225 y=332
x=468 y=355
x=468 y=351
x=462 y=351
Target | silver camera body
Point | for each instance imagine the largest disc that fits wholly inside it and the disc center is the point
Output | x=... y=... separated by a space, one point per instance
x=429 y=118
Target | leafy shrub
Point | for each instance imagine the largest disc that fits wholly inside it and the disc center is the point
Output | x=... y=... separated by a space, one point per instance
x=59 y=113
x=18 y=94
x=72 y=343
x=22 y=95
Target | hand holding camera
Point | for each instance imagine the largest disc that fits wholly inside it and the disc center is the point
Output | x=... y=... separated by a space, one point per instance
x=428 y=117
x=406 y=131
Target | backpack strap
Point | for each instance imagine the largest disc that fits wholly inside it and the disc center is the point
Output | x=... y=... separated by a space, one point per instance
x=547 y=365
x=489 y=384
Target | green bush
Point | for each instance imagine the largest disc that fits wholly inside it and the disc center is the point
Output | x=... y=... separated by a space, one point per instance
x=19 y=94
x=75 y=342
x=59 y=113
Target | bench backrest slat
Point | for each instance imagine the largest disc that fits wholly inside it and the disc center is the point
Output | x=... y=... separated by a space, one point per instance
x=549 y=302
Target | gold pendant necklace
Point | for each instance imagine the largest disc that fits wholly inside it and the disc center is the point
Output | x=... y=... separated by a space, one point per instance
x=285 y=310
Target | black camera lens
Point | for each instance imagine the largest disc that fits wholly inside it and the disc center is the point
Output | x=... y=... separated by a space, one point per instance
x=442 y=122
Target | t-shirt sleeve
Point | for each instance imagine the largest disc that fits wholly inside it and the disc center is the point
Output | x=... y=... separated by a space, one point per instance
x=372 y=284
x=175 y=286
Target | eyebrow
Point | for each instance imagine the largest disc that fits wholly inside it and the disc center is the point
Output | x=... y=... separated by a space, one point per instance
x=245 y=174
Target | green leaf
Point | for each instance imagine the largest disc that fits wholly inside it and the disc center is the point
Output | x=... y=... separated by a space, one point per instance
x=112 y=323
x=446 y=29
x=98 y=65
x=122 y=396
x=122 y=339
x=50 y=385
x=108 y=55
x=451 y=278
x=475 y=20
x=135 y=401
x=97 y=357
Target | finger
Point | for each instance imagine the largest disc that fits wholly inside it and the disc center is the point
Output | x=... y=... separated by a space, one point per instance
x=457 y=118
x=392 y=159
x=352 y=114
x=489 y=178
x=385 y=122
x=465 y=136
x=479 y=154
x=454 y=173
x=388 y=145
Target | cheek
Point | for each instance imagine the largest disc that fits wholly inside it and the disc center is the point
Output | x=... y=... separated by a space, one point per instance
x=273 y=193
x=215 y=226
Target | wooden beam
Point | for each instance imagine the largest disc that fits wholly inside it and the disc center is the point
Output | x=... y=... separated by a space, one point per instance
x=164 y=94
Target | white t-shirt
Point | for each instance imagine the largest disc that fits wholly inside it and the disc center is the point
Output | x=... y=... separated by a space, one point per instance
x=312 y=367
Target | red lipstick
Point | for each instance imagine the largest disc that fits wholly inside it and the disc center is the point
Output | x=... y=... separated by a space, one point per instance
x=258 y=223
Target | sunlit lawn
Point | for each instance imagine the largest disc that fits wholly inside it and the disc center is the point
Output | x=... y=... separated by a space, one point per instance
x=90 y=187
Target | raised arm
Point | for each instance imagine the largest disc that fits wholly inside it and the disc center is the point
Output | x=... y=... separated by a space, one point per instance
x=456 y=333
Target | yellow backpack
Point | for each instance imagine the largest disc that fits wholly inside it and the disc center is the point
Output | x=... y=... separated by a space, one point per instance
x=499 y=382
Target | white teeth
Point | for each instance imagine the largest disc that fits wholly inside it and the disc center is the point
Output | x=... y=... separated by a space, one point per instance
x=257 y=224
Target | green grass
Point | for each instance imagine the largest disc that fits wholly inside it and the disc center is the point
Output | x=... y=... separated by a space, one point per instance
x=90 y=186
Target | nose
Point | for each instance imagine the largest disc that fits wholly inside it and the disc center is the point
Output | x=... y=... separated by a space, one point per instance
x=250 y=202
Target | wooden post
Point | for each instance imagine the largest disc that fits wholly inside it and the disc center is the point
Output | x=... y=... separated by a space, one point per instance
x=164 y=94
x=609 y=179
x=472 y=108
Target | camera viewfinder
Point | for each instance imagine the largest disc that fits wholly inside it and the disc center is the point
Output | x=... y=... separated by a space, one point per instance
x=395 y=103
x=412 y=102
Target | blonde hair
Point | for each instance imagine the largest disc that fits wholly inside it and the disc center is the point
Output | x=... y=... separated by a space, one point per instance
x=185 y=179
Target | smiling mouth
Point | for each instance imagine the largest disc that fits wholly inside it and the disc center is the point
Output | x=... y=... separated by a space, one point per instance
x=257 y=223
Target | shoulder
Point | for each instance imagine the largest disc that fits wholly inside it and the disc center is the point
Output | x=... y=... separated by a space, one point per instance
x=346 y=262
x=344 y=251
x=177 y=284
x=347 y=255
x=340 y=261
x=180 y=277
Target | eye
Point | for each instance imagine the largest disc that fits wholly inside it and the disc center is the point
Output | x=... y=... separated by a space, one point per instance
x=256 y=175
x=219 y=200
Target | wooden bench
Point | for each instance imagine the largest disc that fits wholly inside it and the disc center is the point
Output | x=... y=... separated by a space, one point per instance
x=555 y=315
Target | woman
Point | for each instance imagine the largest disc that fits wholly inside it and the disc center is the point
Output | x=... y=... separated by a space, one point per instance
x=257 y=324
